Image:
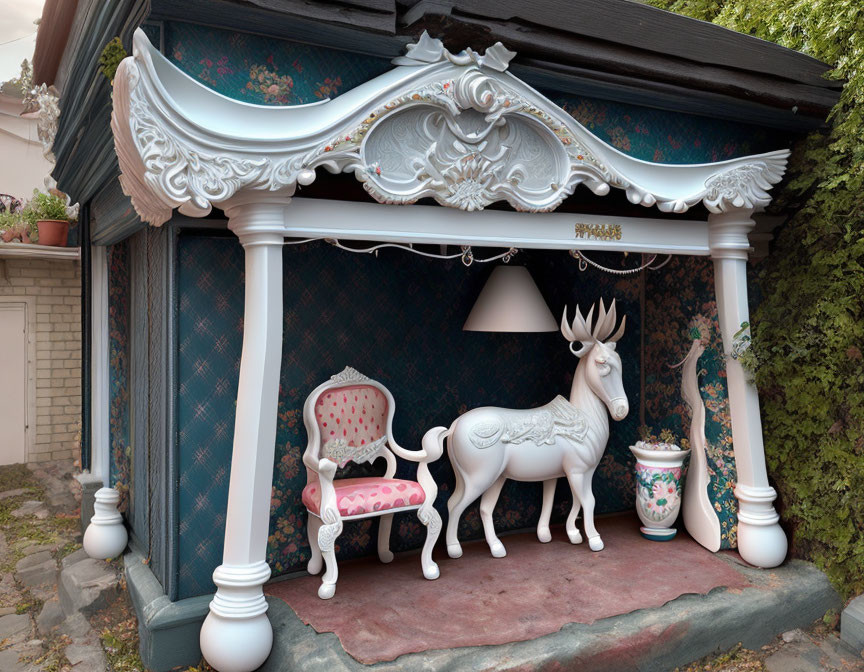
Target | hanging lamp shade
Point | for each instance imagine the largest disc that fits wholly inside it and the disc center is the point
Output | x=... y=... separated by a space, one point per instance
x=510 y=301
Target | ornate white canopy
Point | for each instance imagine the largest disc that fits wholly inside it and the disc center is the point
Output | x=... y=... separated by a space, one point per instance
x=456 y=127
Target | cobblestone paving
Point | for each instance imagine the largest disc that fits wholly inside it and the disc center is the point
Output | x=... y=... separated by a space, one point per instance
x=40 y=544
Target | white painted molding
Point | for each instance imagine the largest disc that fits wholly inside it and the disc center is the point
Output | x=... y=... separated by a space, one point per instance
x=429 y=224
x=457 y=128
x=36 y=251
x=100 y=435
x=761 y=540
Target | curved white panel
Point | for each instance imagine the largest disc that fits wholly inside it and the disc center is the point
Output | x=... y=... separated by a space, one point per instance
x=454 y=127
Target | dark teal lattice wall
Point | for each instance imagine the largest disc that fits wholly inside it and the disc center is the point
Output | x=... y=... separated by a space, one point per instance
x=397 y=318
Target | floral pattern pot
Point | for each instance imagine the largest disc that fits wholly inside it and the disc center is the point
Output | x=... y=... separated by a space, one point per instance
x=658 y=488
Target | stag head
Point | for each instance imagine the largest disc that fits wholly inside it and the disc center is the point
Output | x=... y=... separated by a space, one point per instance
x=602 y=370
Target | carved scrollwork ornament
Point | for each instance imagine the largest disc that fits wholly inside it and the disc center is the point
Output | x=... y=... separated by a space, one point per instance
x=458 y=128
x=348 y=375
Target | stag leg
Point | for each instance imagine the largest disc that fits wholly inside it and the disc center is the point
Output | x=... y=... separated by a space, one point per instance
x=487 y=506
x=543 y=533
x=572 y=531
x=458 y=502
x=581 y=486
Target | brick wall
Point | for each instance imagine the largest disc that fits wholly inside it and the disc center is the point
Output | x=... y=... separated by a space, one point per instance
x=56 y=290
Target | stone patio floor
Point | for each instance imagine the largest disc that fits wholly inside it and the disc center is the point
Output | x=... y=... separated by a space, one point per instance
x=637 y=605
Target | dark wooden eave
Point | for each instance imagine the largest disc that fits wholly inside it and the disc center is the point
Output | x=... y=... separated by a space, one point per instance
x=631 y=52
x=611 y=49
x=614 y=49
x=54 y=27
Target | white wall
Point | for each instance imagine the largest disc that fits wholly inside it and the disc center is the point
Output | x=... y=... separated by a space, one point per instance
x=22 y=165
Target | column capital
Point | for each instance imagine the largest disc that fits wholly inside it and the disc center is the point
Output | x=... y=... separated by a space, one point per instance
x=258 y=219
x=727 y=234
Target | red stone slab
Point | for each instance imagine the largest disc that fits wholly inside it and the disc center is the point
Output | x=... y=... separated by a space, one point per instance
x=381 y=611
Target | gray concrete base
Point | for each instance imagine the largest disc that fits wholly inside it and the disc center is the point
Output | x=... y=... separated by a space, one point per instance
x=89 y=485
x=649 y=640
x=168 y=630
x=852 y=624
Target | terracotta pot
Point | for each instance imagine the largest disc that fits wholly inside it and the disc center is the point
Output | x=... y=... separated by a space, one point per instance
x=658 y=490
x=53 y=232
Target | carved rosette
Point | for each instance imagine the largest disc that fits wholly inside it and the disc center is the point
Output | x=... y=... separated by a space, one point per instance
x=454 y=127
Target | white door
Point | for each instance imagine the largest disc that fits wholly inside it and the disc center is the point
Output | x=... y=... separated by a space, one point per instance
x=13 y=383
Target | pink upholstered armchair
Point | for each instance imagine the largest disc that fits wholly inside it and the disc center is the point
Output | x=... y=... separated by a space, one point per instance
x=350 y=419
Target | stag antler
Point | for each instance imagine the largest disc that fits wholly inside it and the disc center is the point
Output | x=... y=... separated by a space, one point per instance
x=581 y=329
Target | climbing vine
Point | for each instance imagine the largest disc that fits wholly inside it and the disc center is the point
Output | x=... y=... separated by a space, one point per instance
x=808 y=332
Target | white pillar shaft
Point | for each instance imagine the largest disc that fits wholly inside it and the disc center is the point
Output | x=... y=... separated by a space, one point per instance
x=730 y=279
x=248 y=518
x=100 y=438
x=237 y=636
x=761 y=541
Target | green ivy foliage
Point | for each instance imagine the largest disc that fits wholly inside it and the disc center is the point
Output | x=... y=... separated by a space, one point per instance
x=808 y=332
x=109 y=59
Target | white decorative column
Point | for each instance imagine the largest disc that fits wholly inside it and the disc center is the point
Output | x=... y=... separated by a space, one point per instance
x=761 y=540
x=237 y=636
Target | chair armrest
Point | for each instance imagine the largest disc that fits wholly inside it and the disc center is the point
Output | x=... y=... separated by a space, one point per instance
x=329 y=510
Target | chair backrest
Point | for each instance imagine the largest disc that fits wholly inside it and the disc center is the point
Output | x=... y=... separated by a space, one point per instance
x=349 y=419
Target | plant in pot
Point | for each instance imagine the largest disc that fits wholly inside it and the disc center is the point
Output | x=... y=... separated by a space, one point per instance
x=13 y=226
x=659 y=462
x=50 y=215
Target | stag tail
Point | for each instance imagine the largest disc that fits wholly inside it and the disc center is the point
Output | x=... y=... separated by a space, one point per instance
x=433 y=442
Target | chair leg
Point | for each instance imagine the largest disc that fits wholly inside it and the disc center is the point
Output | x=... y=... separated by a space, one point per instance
x=384 y=526
x=316 y=562
x=430 y=518
x=327 y=536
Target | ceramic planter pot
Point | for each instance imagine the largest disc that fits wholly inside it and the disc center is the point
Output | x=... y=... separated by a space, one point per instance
x=54 y=232
x=658 y=488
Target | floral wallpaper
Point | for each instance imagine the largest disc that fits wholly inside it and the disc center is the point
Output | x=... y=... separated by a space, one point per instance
x=118 y=363
x=666 y=137
x=263 y=70
x=397 y=318
x=267 y=71
x=680 y=306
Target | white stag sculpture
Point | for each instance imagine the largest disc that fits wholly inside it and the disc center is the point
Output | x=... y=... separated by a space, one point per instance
x=563 y=438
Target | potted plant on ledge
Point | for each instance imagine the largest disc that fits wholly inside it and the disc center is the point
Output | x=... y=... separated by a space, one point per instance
x=50 y=215
x=13 y=227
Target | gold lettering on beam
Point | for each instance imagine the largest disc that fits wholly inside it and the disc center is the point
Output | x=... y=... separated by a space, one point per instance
x=598 y=231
